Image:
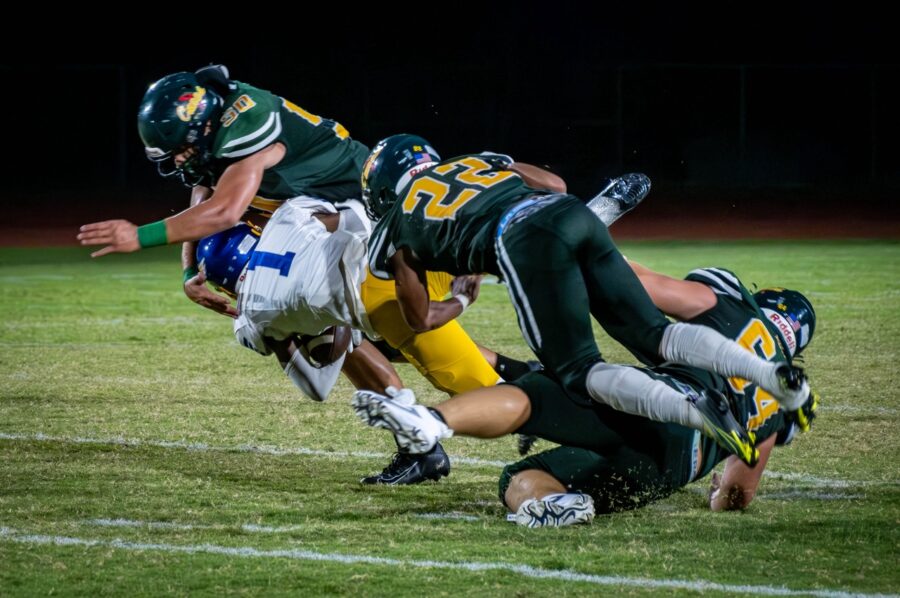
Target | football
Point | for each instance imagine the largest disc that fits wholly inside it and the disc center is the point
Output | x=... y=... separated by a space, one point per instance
x=326 y=348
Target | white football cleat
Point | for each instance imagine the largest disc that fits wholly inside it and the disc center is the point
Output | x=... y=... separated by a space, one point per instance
x=620 y=196
x=404 y=396
x=416 y=429
x=556 y=510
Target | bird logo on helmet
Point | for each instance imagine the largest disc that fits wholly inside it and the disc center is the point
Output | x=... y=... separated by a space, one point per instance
x=791 y=313
x=179 y=113
x=390 y=166
x=223 y=256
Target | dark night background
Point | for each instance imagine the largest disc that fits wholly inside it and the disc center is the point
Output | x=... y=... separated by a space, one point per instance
x=730 y=116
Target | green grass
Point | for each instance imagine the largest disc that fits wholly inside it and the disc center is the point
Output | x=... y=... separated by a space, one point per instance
x=111 y=351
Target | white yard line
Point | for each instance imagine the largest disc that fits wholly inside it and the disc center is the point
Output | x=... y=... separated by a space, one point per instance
x=699 y=489
x=456 y=516
x=800 y=478
x=170 y=525
x=11 y=535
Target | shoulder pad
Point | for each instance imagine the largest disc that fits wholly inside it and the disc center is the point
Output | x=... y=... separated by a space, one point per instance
x=381 y=249
x=250 y=122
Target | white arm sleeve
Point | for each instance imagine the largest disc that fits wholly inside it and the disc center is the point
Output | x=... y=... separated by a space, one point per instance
x=315 y=383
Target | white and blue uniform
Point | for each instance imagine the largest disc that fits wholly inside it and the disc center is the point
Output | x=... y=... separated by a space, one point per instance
x=301 y=279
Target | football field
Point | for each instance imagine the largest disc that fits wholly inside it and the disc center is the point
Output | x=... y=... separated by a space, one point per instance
x=144 y=452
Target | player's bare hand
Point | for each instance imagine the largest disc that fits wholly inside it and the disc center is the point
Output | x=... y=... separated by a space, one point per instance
x=468 y=285
x=119 y=236
x=196 y=290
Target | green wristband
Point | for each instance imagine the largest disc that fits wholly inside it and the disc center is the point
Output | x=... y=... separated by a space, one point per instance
x=190 y=272
x=152 y=235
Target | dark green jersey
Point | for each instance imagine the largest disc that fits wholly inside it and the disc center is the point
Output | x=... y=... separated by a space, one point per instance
x=681 y=454
x=625 y=461
x=737 y=316
x=321 y=160
x=448 y=215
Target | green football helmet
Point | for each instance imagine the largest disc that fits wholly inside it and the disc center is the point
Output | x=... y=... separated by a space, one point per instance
x=390 y=166
x=179 y=113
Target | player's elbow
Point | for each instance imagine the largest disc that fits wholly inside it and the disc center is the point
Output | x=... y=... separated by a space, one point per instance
x=420 y=325
x=555 y=183
x=422 y=322
x=231 y=214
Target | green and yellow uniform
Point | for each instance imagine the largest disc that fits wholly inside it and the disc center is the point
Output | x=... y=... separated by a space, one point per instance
x=625 y=461
x=471 y=215
x=320 y=161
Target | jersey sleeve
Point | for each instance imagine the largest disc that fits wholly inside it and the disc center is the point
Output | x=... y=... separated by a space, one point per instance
x=251 y=122
x=381 y=249
x=721 y=281
x=498 y=161
x=249 y=335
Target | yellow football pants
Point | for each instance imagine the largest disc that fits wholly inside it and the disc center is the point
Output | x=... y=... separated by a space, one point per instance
x=447 y=357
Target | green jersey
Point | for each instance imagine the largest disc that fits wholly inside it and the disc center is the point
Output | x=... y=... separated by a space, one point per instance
x=448 y=216
x=321 y=160
x=737 y=316
x=625 y=461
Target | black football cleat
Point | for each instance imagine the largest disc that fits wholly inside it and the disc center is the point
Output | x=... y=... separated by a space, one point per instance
x=406 y=468
x=524 y=442
x=720 y=424
x=793 y=387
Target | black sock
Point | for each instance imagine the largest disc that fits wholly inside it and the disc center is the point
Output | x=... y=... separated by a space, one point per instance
x=510 y=369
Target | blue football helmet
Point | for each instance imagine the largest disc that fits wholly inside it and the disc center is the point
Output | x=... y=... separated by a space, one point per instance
x=792 y=314
x=390 y=166
x=181 y=112
x=223 y=256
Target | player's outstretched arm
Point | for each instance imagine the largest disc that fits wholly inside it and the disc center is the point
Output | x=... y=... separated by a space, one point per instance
x=234 y=192
x=738 y=484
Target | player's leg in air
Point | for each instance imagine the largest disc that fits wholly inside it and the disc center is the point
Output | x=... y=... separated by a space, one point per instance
x=585 y=268
x=619 y=196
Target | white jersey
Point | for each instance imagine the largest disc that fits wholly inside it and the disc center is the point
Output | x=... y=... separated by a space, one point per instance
x=302 y=279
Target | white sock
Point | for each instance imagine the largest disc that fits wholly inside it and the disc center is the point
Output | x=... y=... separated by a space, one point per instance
x=632 y=391
x=608 y=210
x=703 y=347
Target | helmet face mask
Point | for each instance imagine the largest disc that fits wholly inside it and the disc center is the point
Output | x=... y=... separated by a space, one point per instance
x=792 y=313
x=392 y=163
x=178 y=114
x=223 y=256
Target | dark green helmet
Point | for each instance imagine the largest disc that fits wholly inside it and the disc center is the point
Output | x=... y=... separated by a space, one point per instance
x=390 y=166
x=793 y=315
x=178 y=113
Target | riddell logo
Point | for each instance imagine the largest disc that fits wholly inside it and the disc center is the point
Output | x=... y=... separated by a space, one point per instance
x=785 y=328
x=186 y=111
